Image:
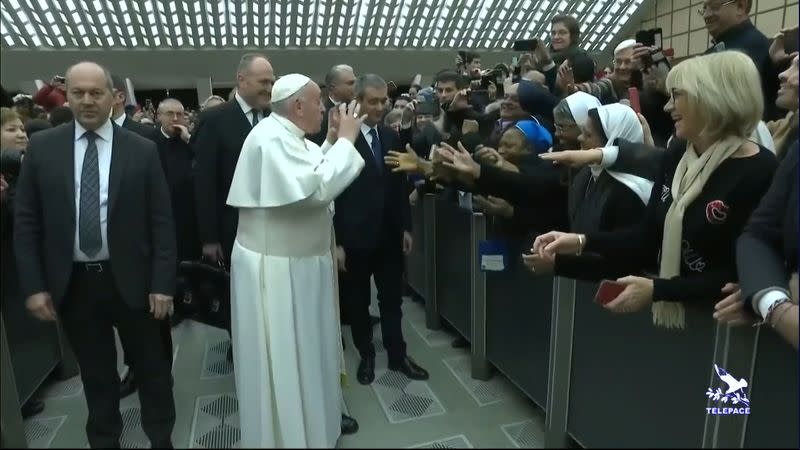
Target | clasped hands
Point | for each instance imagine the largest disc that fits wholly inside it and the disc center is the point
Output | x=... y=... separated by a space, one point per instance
x=637 y=295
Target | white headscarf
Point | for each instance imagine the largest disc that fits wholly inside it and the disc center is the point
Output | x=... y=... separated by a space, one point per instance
x=579 y=105
x=624 y=45
x=620 y=122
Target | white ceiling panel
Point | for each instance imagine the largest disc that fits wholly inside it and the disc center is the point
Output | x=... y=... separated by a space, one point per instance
x=265 y=24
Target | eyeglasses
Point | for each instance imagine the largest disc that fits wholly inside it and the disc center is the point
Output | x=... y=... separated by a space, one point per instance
x=714 y=8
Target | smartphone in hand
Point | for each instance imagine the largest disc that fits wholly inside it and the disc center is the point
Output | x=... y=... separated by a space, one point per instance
x=608 y=291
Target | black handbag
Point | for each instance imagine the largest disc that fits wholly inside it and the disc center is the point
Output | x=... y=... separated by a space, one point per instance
x=204 y=293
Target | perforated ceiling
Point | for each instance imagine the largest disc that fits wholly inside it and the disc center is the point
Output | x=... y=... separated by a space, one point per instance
x=423 y=24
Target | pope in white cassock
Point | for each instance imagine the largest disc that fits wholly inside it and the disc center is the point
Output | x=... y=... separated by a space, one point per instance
x=286 y=333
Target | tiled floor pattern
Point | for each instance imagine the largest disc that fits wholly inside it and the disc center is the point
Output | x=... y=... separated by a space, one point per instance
x=451 y=410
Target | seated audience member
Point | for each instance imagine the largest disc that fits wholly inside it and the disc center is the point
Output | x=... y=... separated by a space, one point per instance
x=707 y=183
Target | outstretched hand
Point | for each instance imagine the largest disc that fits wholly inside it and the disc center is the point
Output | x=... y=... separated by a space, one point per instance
x=407 y=161
x=574 y=158
x=459 y=160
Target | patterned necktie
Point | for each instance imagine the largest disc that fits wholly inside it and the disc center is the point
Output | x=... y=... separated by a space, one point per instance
x=89 y=236
x=377 y=153
x=254 y=112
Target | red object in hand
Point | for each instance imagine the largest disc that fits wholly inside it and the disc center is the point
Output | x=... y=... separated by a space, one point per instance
x=633 y=96
x=608 y=291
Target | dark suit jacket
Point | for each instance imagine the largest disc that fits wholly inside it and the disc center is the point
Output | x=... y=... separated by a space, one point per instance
x=766 y=252
x=141 y=237
x=319 y=138
x=376 y=202
x=217 y=142
x=145 y=131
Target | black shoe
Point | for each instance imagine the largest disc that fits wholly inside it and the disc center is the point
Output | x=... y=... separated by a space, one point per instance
x=374 y=320
x=31 y=408
x=349 y=425
x=366 y=371
x=460 y=342
x=128 y=384
x=410 y=369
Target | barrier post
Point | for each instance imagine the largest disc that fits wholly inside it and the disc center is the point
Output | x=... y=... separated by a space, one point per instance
x=556 y=410
x=12 y=431
x=480 y=364
x=432 y=320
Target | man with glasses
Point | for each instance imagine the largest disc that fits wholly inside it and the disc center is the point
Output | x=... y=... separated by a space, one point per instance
x=729 y=25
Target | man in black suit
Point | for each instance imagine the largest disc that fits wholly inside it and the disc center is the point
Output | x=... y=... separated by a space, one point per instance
x=120 y=96
x=766 y=257
x=119 y=116
x=372 y=224
x=96 y=247
x=217 y=141
x=340 y=84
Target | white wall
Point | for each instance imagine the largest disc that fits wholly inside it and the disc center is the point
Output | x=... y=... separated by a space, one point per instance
x=685 y=31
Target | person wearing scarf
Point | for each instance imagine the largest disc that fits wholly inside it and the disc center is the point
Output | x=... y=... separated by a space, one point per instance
x=707 y=183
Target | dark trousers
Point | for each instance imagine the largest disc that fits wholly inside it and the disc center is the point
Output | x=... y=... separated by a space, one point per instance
x=165 y=338
x=385 y=263
x=91 y=310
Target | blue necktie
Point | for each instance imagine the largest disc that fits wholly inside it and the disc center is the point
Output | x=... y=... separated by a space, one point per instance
x=376 y=149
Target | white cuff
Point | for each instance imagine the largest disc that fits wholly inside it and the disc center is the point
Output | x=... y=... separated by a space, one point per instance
x=610 y=154
x=549 y=66
x=764 y=298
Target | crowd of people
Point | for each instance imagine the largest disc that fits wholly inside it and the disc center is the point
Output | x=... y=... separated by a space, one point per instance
x=680 y=183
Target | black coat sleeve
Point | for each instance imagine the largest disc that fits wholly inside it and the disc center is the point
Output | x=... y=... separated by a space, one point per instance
x=162 y=228
x=28 y=223
x=205 y=143
x=759 y=252
x=531 y=186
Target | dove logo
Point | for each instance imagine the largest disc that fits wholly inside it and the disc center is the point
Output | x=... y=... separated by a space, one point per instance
x=734 y=398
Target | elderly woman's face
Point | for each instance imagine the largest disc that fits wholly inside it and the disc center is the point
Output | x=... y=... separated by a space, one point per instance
x=590 y=136
x=567 y=133
x=687 y=125
x=512 y=145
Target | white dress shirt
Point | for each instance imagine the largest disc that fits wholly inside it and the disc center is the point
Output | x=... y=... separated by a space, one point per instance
x=121 y=119
x=365 y=131
x=105 y=136
x=248 y=110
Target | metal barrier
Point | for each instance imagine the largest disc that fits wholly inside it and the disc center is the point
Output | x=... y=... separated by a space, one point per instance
x=454 y=266
x=604 y=380
x=773 y=419
x=416 y=263
x=520 y=349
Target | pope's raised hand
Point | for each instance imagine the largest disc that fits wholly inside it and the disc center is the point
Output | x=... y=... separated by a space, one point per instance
x=350 y=121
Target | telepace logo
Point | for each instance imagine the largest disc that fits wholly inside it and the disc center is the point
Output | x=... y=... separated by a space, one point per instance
x=735 y=395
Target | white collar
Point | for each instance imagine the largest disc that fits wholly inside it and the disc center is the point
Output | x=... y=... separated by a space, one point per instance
x=105 y=132
x=286 y=123
x=366 y=128
x=242 y=104
x=161 y=129
x=335 y=103
x=121 y=119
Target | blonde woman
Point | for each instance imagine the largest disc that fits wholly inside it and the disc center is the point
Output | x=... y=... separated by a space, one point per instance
x=706 y=185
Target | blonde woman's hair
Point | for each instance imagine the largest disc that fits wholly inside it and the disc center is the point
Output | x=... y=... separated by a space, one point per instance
x=724 y=89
